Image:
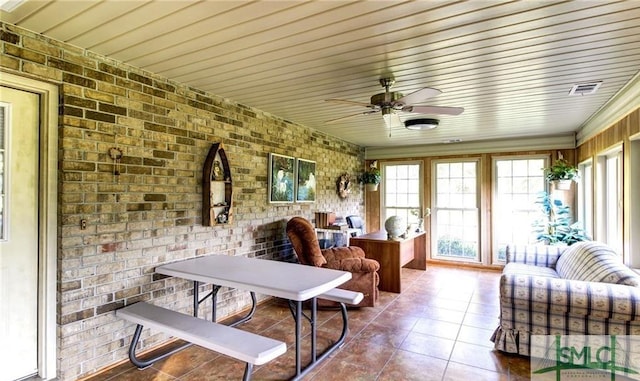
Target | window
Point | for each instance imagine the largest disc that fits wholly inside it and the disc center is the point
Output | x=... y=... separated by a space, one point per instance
x=517 y=183
x=633 y=203
x=401 y=190
x=4 y=120
x=455 y=214
x=585 y=197
x=609 y=211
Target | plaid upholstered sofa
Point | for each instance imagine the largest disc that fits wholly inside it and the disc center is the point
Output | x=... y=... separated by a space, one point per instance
x=579 y=289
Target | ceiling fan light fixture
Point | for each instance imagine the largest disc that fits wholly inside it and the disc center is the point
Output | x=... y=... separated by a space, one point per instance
x=392 y=103
x=421 y=124
x=387 y=114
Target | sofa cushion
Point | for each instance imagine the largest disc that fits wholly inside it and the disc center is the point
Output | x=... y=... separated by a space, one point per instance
x=537 y=255
x=595 y=262
x=523 y=269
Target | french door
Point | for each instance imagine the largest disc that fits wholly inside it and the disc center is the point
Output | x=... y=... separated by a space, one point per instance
x=19 y=237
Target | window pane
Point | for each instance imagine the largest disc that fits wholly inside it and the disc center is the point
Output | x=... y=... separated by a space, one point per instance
x=585 y=198
x=613 y=202
x=402 y=185
x=504 y=168
x=402 y=192
x=442 y=200
x=456 y=215
x=469 y=201
x=518 y=183
x=2 y=174
x=455 y=170
x=390 y=172
x=520 y=166
x=442 y=171
x=535 y=183
x=402 y=171
x=443 y=186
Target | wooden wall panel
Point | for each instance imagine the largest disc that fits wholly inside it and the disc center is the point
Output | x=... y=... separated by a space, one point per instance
x=372 y=205
x=619 y=132
x=634 y=123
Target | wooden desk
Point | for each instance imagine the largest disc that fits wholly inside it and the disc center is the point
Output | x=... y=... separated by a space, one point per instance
x=393 y=255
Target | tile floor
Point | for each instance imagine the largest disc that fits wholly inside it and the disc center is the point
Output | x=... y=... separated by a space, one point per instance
x=438 y=328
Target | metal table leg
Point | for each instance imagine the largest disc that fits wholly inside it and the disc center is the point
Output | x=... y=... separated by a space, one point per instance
x=296 y=311
x=214 y=298
x=298 y=319
x=314 y=319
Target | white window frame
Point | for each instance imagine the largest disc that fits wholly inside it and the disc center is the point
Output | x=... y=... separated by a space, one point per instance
x=603 y=212
x=586 y=196
x=383 y=185
x=495 y=223
x=434 y=210
x=632 y=206
x=4 y=223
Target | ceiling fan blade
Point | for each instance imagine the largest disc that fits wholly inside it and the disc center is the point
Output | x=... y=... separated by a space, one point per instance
x=332 y=121
x=440 y=110
x=418 y=96
x=349 y=102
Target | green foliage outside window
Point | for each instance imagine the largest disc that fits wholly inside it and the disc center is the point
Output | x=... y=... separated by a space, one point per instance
x=453 y=247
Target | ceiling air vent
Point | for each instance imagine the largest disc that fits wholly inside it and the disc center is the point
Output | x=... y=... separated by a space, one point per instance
x=585 y=88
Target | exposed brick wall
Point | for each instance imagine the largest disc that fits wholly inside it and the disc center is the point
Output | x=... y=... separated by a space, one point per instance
x=151 y=213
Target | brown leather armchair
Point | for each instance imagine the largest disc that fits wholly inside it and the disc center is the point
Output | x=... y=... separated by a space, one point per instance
x=352 y=258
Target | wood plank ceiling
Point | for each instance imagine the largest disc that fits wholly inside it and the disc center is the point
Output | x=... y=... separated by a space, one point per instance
x=510 y=64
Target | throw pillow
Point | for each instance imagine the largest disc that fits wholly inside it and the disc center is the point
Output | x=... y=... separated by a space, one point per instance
x=592 y=261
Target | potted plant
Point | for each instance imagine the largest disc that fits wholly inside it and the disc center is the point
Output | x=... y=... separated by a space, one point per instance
x=561 y=173
x=371 y=178
x=556 y=228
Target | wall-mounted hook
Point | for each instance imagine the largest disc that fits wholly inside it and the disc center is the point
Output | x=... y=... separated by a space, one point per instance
x=115 y=154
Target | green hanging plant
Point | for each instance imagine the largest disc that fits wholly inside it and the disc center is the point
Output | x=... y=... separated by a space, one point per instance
x=561 y=170
x=372 y=176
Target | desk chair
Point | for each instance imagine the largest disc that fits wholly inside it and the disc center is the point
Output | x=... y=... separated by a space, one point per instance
x=364 y=278
x=355 y=222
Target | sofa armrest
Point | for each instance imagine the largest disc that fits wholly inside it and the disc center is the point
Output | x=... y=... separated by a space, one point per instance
x=336 y=253
x=354 y=265
x=350 y=258
x=561 y=296
x=536 y=255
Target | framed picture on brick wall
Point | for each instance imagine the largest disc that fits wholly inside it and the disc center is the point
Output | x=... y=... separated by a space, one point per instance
x=281 y=178
x=305 y=180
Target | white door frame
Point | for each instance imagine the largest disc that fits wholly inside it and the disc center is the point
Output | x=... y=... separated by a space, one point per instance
x=48 y=209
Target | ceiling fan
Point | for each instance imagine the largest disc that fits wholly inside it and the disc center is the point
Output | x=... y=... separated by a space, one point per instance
x=392 y=102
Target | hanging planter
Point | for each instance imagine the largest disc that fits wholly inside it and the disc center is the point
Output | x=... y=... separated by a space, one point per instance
x=561 y=174
x=371 y=178
x=371 y=187
x=562 y=184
